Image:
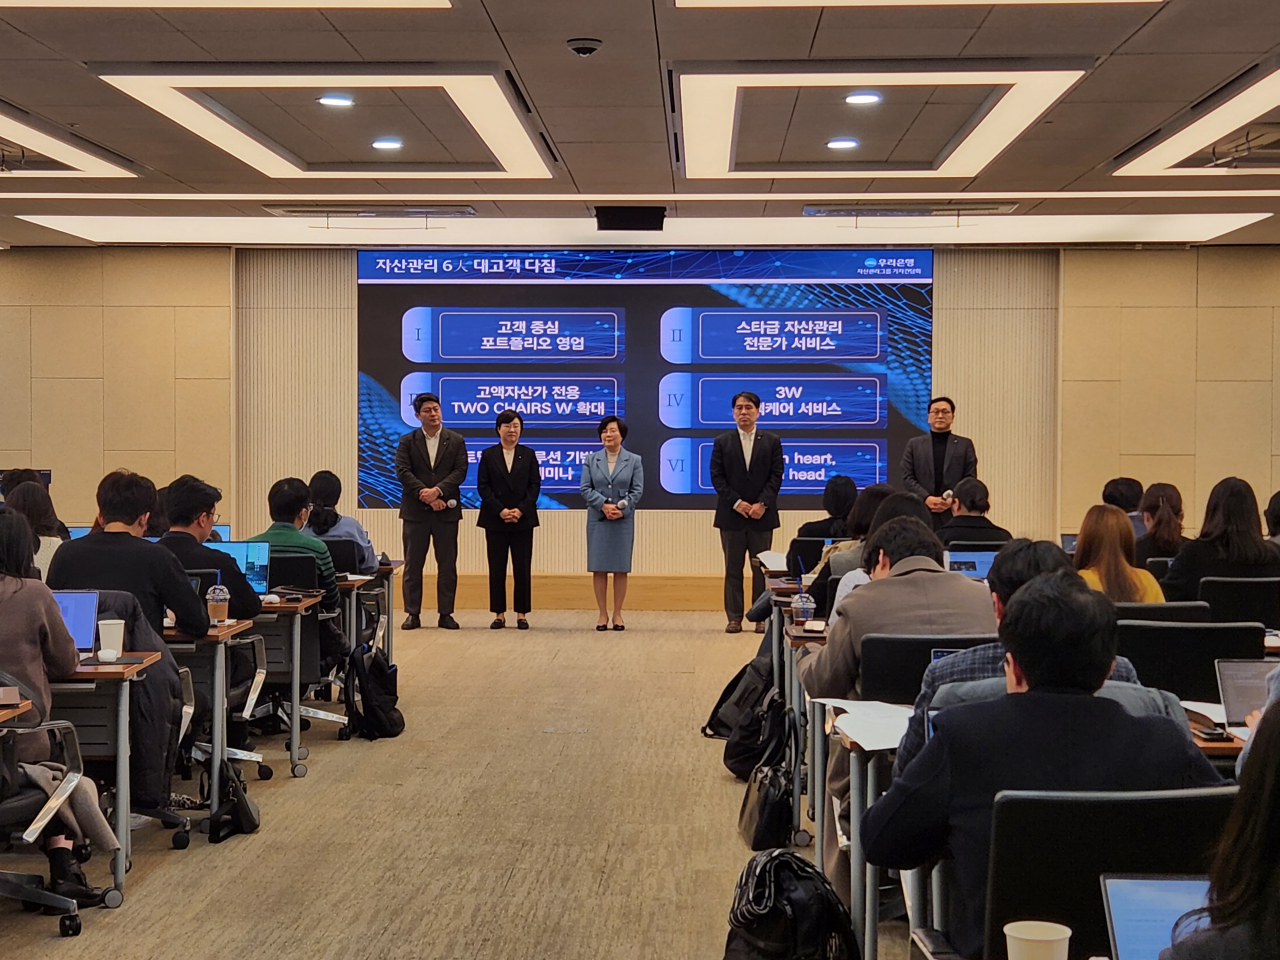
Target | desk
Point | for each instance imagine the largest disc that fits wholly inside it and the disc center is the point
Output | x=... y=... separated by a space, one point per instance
x=216 y=638
x=785 y=586
x=297 y=753
x=350 y=590
x=83 y=693
x=1219 y=749
x=386 y=575
x=8 y=713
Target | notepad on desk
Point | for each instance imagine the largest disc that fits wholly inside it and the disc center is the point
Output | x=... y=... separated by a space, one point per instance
x=873 y=725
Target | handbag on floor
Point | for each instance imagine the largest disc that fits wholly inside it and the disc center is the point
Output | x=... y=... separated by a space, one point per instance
x=760 y=737
x=234 y=811
x=765 y=818
x=740 y=698
x=785 y=909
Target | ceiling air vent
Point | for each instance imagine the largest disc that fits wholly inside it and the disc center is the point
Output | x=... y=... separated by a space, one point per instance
x=335 y=210
x=908 y=209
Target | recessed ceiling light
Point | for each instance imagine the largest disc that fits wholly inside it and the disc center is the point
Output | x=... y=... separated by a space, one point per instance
x=866 y=97
x=387 y=143
x=340 y=100
x=842 y=143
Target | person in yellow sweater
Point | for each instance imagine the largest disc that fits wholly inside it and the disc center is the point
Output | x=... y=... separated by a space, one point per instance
x=1105 y=558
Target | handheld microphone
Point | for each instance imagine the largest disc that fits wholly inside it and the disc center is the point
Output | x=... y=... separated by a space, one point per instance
x=451 y=504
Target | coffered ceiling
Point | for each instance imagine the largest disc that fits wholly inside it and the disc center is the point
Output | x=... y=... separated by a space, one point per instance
x=1136 y=121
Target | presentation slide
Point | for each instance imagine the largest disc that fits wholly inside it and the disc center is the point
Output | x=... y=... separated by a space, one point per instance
x=836 y=343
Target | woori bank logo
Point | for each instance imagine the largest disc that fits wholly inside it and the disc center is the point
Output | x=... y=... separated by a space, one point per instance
x=869 y=262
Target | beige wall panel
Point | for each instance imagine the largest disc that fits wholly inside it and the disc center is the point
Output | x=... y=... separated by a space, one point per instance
x=66 y=437
x=155 y=465
x=166 y=276
x=202 y=343
x=1239 y=276
x=1275 y=483
x=1233 y=432
x=1158 y=384
x=1180 y=471
x=202 y=426
x=1090 y=445
x=1090 y=343
x=1229 y=341
x=15 y=378
x=1129 y=278
x=138 y=377
x=66 y=342
x=12 y=459
x=57 y=276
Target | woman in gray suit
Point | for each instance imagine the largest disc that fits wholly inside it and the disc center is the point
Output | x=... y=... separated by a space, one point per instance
x=612 y=484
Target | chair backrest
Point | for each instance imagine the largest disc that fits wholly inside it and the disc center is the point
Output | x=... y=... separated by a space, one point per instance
x=1048 y=850
x=1243 y=599
x=1183 y=611
x=207 y=579
x=1158 y=567
x=894 y=664
x=1179 y=657
x=292 y=570
x=987 y=545
x=345 y=554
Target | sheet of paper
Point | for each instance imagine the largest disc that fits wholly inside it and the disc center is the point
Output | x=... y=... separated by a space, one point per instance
x=772 y=560
x=873 y=725
x=1214 y=711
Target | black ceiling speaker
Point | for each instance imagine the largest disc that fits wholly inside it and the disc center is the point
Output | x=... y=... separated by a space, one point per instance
x=630 y=218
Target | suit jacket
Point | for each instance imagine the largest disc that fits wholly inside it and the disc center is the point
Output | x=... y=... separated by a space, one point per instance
x=972 y=530
x=734 y=480
x=624 y=488
x=1042 y=740
x=415 y=472
x=500 y=490
x=917 y=464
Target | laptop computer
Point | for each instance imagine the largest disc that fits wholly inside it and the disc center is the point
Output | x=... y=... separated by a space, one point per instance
x=80 y=614
x=251 y=557
x=1069 y=542
x=1142 y=911
x=78 y=532
x=972 y=563
x=223 y=530
x=1242 y=687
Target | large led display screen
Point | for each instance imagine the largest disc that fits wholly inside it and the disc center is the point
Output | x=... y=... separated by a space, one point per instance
x=837 y=344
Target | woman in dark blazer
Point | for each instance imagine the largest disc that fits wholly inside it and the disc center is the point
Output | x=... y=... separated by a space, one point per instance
x=1230 y=543
x=509 y=481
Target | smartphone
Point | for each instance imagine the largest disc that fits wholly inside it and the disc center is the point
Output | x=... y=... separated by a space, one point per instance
x=1212 y=734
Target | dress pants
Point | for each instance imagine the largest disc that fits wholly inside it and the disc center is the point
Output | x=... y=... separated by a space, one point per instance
x=519 y=543
x=418 y=535
x=737 y=544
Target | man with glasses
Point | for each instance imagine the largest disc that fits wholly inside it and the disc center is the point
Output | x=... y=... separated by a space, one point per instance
x=289 y=501
x=932 y=465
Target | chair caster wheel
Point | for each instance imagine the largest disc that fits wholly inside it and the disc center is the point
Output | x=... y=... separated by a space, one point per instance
x=344 y=733
x=204 y=826
x=128 y=865
x=81 y=852
x=299 y=770
x=801 y=838
x=303 y=753
x=265 y=772
x=304 y=724
x=113 y=898
x=181 y=839
x=69 y=926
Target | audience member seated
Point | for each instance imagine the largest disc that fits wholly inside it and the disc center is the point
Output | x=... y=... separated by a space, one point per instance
x=1230 y=543
x=969 y=524
x=1048 y=733
x=895 y=505
x=909 y=593
x=10 y=480
x=326 y=523
x=1161 y=510
x=32 y=501
x=289 y=502
x=1126 y=493
x=838 y=498
x=192 y=506
x=1272 y=516
x=1104 y=558
x=1243 y=912
x=117 y=558
x=858 y=528
x=35 y=648
x=1018 y=562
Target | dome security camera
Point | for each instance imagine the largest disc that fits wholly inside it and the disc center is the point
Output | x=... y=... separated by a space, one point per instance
x=584 y=46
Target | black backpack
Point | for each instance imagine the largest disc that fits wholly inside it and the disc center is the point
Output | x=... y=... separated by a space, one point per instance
x=369 y=693
x=740 y=698
x=235 y=812
x=760 y=738
x=785 y=909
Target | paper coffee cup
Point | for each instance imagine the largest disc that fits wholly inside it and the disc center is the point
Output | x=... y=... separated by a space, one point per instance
x=1037 y=940
x=110 y=637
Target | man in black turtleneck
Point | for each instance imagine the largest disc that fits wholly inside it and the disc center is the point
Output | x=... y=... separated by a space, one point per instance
x=933 y=465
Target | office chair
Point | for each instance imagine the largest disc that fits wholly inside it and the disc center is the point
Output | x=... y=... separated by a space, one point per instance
x=1158 y=567
x=292 y=570
x=1182 y=611
x=1048 y=850
x=893 y=665
x=969 y=545
x=1179 y=657
x=345 y=554
x=1243 y=599
x=807 y=551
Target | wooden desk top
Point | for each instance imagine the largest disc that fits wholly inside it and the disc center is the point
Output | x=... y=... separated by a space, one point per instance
x=799 y=636
x=354 y=582
x=781 y=584
x=216 y=634
x=1219 y=749
x=8 y=713
x=388 y=568
x=302 y=607
x=129 y=665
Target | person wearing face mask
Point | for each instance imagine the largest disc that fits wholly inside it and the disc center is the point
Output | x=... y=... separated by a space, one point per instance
x=933 y=465
x=509 y=481
x=612 y=484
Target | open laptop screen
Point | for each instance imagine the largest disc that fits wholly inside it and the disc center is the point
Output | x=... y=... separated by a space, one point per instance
x=1243 y=686
x=78 y=532
x=80 y=614
x=223 y=530
x=250 y=557
x=1142 y=911
x=972 y=563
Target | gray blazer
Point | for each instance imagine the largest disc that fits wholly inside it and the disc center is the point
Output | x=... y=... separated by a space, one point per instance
x=624 y=488
x=917 y=464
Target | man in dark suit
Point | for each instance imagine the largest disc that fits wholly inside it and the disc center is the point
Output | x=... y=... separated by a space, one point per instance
x=932 y=465
x=746 y=470
x=1048 y=733
x=431 y=464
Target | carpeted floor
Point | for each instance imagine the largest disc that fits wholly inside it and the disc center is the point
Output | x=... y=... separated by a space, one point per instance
x=550 y=799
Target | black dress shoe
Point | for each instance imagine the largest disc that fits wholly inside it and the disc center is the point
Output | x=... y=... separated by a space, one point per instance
x=619 y=626
x=79 y=889
x=497 y=624
x=448 y=623
x=602 y=627
x=411 y=622
x=522 y=623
